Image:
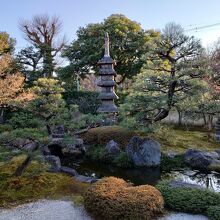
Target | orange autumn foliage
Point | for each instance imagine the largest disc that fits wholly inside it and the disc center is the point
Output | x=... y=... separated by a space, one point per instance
x=113 y=198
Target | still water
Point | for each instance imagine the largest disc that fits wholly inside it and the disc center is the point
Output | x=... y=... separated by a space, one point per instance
x=143 y=175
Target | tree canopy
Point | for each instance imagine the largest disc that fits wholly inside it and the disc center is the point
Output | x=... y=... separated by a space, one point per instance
x=42 y=32
x=173 y=73
x=128 y=42
x=11 y=79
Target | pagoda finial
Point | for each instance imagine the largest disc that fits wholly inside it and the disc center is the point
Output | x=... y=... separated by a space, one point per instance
x=106 y=45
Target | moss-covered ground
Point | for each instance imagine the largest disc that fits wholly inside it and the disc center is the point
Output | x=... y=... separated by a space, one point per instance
x=35 y=183
x=179 y=140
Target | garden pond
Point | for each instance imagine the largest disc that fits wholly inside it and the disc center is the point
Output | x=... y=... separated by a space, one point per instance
x=144 y=175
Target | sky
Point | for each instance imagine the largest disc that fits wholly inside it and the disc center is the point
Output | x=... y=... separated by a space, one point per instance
x=149 y=13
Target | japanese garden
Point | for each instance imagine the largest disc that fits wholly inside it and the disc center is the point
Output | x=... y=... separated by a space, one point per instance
x=121 y=122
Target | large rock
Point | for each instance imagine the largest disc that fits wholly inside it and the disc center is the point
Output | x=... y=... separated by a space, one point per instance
x=75 y=148
x=201 y=159
x=112 y=148
x=143 y=152
x=54 y=162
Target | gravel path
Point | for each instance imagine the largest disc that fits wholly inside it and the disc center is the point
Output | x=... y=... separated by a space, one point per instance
x=183 y=216
x=45 y=210
x=65 y=210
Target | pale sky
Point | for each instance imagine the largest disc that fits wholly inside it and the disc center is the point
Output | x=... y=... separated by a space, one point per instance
x=149 y=13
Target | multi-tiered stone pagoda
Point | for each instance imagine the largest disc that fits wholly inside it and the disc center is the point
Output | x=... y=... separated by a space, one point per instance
x=217 y=130
x=107 y=81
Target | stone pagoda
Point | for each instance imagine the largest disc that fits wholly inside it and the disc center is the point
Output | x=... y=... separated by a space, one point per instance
x=217 y=130
x=107 y=82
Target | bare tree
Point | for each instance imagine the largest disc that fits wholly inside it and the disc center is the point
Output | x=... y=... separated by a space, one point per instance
x=42 y=32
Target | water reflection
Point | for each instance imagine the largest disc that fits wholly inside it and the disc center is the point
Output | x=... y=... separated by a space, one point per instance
x=138 y=176
x=143 y=175
x=206 y=180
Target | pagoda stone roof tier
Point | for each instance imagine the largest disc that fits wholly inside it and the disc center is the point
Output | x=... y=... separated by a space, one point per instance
x=107 y=108
x=107 y=72
x=109 y=83
x=107 y=96
x=106 y=60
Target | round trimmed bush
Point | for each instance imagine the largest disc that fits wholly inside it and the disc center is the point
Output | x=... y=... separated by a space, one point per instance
x=185 y=199
x=113 y=198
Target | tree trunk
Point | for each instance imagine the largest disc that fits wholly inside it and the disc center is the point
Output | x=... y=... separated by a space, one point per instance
x=204 y=119
x=180 y=117
x=2 y=116
x=48 y=65
x=210 y=120
x=19 y=171
x=163 y=113
x=49 y=130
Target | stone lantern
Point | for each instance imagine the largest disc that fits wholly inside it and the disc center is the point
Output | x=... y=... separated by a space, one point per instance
x=107 y=81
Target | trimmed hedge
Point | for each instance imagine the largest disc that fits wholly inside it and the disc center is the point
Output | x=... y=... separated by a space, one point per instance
x=187 y=199
x=213 y=212
x=113 y=198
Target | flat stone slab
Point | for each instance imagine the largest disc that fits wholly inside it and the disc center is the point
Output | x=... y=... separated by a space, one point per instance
x=45 y=210
x=183 y=216
x=85 y=179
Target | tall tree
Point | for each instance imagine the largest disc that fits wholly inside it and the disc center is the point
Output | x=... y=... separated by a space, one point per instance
x=127 y=45
x=48 y=104
x=42 y=32
x=174 y=72
x=11 y=80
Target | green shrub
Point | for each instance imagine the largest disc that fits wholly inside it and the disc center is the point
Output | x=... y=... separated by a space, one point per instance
x=175 y=163
x=96 y=153
x=122 y=160
x=213 y=212
x=5 y=127
x=187 y=199
x=25 y=133
x=113 y=198
x=86 y=100
x=6 y=153
x=25 y=120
